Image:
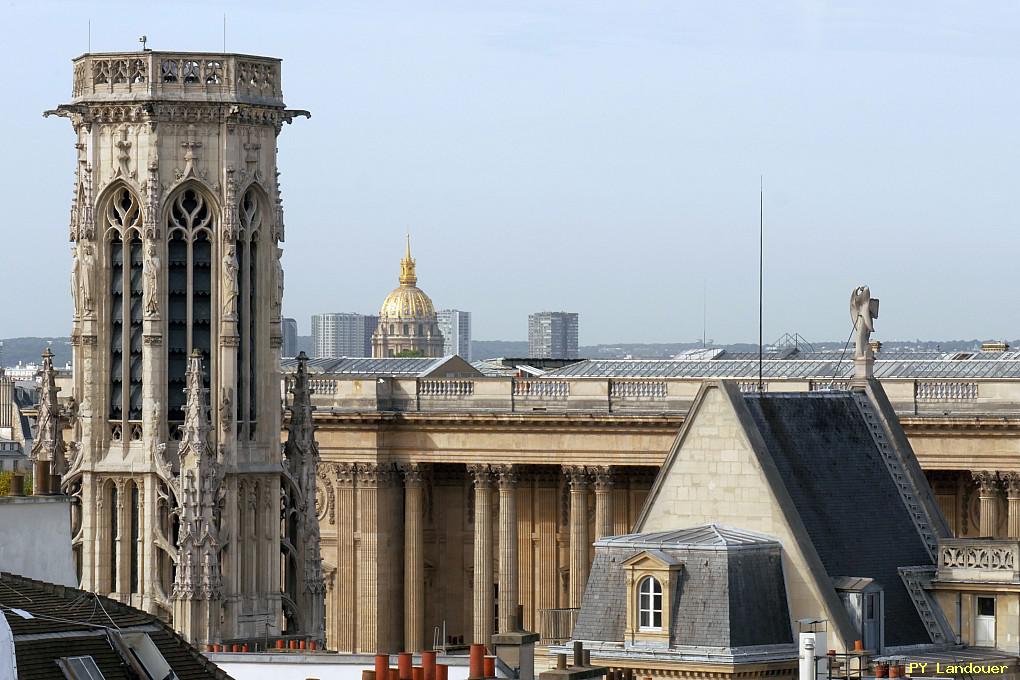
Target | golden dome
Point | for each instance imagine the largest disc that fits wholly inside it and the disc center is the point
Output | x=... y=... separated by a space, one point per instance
x=407 y=301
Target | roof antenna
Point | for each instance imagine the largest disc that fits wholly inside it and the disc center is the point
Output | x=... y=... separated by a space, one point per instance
x=224 y=33
x=704 y=313
x=144 y=39
x=761 y=277
x=90 y=36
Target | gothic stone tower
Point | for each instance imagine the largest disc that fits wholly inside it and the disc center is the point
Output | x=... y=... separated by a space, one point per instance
x=175 y=227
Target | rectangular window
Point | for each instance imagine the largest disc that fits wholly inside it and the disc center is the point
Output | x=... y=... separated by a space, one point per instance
x=986 y=606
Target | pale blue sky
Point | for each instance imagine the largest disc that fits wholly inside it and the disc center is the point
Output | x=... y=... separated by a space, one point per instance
x=599 y=157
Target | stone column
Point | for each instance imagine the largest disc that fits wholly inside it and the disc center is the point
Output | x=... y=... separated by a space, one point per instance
x=577 y=477
x=508 y=576
x=346 y=613
x=1012 y=482
x=603 y=477
x=414 y=558
x=483 y=595
x=988 y=496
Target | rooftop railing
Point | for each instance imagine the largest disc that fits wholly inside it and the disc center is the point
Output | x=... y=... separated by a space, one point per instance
x=978 y=560
x=187 y=76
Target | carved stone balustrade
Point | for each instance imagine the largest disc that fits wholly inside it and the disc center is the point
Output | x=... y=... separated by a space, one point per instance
x=185 y=76
x=978 y=560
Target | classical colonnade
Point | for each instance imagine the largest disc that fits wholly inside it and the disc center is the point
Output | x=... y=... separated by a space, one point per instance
x=481 y=537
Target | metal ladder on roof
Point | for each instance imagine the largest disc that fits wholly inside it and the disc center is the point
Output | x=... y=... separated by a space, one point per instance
x=915 y=579
x=918 y=513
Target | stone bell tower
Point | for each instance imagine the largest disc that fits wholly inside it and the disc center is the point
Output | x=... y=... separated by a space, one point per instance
x=175 y=229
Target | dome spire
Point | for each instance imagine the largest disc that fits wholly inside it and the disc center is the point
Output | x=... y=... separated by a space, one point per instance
x=407 y=275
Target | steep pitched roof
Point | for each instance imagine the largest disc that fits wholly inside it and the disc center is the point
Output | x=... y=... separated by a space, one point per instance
x=66 y=622
x=845 y=496
x=843 y=507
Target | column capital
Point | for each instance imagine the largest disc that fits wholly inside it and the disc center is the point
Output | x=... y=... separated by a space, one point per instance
x=577 y=477
x=987 y=481
x=375 y=474
x=1011 y=480
x=345 y=473
x=507 y=476
x=602 y=476
x=481 y=473
x=413 y=474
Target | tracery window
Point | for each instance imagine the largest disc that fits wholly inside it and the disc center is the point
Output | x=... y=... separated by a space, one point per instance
x=650 y=604
x=124 y=252
x=190 y=222
x=251 y=217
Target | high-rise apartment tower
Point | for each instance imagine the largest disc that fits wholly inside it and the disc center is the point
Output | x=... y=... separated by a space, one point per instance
x=552 y=335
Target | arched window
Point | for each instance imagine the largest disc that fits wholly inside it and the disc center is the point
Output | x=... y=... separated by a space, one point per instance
x=251 y=216
x=123 y=219
x=189 y=225
x=391 y=329
x=421 y=330
x=405 y=329
x=649 y=604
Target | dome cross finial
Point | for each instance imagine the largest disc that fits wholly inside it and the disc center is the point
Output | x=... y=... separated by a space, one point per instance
x=407 y=275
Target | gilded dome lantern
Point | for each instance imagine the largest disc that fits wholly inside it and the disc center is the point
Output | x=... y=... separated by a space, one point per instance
x=407 y=318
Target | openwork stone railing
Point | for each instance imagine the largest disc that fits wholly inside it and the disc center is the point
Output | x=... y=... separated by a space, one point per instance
x=322 y=386
x=551 y=389
x=446 y=388
x=967 y=559
x=637 y=389
x=752 y=385
x=134 y=75
x=942 y=390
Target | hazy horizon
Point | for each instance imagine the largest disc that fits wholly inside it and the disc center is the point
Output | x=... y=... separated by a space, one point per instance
x=596 y=157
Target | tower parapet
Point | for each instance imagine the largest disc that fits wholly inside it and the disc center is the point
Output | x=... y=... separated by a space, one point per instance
x=185 y=76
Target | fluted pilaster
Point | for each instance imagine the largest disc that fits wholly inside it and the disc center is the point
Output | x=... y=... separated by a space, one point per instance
x=988 y=501
x=603 y=478
x=577 y=477
x=1012 y=483
x=508 y=576
x=414 y=558
x=483 y=595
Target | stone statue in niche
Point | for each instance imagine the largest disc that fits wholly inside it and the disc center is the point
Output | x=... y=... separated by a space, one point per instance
x=278 y=299
x=863 y=312
x=152 y=282
x=230 y=270
x=81 y=279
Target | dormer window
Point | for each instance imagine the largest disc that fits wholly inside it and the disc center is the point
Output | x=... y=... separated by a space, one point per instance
x=652 y=583
x=650 y=604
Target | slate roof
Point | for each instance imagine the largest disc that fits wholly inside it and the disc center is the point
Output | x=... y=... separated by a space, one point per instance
x=730 y=591
x=70 y=622
x=846 y=498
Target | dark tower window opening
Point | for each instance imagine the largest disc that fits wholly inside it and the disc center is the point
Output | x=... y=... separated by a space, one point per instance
x=189 y=292
x=122 y=218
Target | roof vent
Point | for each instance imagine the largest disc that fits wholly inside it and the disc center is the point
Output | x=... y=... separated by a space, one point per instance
x=995 y=346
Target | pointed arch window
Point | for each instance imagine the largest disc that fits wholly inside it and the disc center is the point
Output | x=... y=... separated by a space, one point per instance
x=123 y=217
x=252 y=215
x=189 y=227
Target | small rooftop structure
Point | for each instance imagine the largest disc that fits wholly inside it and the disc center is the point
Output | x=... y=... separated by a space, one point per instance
x=677 y=593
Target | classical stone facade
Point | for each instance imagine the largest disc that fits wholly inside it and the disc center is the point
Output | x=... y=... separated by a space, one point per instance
x=177 y=282
x=407 y=323
x=618 y=429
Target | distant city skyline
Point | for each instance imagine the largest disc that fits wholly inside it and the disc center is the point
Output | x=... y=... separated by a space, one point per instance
x=601 y=157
